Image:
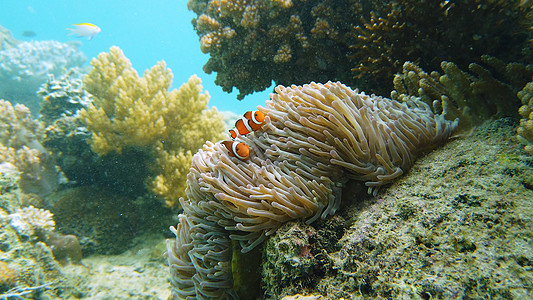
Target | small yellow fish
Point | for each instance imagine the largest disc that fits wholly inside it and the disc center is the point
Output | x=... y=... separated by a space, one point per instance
x=85 y=29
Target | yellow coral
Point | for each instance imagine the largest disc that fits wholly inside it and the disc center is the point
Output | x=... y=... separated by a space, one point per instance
x=284 y=54
x=525 y=130
x=141 y=112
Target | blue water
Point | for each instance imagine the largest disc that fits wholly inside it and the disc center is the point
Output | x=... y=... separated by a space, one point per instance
x=147 y=32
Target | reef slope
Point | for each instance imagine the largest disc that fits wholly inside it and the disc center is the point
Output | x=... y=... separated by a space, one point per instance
x=457 y=225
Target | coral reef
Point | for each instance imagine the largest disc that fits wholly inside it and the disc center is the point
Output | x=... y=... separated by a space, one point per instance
x=314 y=137
x=103 y=222
x=63 y=97
x=25 y=67
x=20 y=148
x=30 y=221
x=6 y=39
x=399 y=31
x=361 y=43
x=456 y=226
x=31 y=271
x=473 y=97
x=8 y=277
x=285 y=41
x=140 y=113
x=525 y=130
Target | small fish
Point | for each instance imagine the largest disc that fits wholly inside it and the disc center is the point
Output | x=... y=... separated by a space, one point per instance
x=85 y=29
x=237 y=149
x=251 y=121
x=28 y=33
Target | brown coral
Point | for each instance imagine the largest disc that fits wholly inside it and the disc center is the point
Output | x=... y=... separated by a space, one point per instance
x=285 y=41
x=339 y=40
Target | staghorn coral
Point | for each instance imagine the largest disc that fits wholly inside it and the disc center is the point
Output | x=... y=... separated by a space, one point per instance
x=473 y=97
x=525 y=130
x=25 y=67
x=314 y=137
x=132 y=112
x=361 y=43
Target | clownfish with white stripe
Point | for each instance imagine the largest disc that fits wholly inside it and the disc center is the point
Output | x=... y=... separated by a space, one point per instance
x=237 y=149
x=251 y=121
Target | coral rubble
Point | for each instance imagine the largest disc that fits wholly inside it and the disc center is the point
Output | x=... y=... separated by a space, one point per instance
x=314 y=137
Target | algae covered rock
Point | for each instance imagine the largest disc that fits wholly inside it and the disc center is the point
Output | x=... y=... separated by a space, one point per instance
x=457 y=225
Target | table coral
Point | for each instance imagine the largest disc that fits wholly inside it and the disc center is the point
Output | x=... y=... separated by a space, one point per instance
x=130 y=111
x=314 y=137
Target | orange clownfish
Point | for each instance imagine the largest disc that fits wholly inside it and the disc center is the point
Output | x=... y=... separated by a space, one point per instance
x=251 y=121
x=237 y=149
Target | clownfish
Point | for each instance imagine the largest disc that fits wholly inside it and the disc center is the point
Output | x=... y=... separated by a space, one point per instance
x=251 y=121
x=237 y=149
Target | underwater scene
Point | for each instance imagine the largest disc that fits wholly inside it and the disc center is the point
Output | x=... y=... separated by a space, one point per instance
x=266 y=149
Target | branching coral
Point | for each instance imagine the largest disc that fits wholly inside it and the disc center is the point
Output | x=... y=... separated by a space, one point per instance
x=130 y=111
x=473 y=97
x=399 y=31
x=254 y=42
x=31 y=221
x=62 y=97
x=314 y=136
